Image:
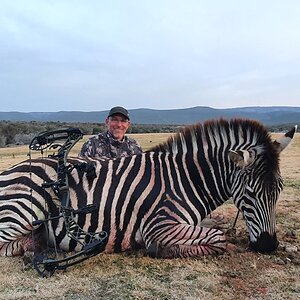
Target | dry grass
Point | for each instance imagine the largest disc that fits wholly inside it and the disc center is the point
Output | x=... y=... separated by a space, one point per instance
x=12 y=155
x=234 y=275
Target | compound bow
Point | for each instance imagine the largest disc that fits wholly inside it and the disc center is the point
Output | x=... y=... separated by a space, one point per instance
x=92 y=242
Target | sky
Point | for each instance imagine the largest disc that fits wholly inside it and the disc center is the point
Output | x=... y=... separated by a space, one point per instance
x=91 y=55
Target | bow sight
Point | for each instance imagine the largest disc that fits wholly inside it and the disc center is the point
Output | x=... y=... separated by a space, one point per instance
x=62 y=141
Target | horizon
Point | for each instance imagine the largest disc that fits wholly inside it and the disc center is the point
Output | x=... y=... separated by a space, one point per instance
x=166 y=109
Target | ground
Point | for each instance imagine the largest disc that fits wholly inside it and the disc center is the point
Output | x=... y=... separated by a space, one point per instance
x=238 y=274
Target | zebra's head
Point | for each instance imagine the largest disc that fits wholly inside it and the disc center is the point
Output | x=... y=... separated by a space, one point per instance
x=256 y=187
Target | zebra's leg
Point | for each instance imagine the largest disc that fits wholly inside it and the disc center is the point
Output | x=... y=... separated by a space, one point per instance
x=33 y=242
x=13 y=248
x=33 y=245
x=17 y=234
x=184 y=240
x=213 y=222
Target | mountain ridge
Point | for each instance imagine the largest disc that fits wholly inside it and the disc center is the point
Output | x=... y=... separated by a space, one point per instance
x=269 y=115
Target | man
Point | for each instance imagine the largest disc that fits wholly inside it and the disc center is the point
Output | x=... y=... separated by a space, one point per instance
x=113 y=143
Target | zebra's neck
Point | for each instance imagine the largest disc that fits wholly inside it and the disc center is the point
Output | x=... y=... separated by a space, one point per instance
x=201 y=154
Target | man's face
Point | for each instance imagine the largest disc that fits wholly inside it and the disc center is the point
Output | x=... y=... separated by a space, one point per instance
x=117 y=125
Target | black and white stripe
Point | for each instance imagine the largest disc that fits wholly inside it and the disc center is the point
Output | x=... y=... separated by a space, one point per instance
x=157 y=199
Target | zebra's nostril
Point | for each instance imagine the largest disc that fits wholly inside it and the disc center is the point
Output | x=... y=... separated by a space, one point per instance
x=266 y=243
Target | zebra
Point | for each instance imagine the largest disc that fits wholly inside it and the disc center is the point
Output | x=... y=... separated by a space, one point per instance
x=155 y=200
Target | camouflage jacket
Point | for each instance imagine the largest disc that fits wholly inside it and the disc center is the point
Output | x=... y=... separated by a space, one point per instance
x=104 y=145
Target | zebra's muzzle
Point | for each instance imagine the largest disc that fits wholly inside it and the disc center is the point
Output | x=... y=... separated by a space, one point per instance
x=266 y=243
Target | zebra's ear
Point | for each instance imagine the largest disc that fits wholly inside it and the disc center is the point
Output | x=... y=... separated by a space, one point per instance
x=242 y=158
x=281 y=143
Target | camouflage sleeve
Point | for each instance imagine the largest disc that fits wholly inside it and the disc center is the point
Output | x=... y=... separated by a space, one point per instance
x=86 y=150
x=135 y=146
x=96 y=147
x=138 y=148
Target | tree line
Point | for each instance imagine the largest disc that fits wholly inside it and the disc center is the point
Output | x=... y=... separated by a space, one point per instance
x=20 y=133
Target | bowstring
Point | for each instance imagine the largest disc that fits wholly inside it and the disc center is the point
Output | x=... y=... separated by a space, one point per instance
x=48 y=224
x=31 y=199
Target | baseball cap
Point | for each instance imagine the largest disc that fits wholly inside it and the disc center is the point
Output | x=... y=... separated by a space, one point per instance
x=119 y=110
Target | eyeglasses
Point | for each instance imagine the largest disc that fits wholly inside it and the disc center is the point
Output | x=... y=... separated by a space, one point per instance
x=117 y=120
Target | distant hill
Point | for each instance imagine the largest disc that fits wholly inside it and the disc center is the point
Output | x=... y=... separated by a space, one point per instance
x=272 y=115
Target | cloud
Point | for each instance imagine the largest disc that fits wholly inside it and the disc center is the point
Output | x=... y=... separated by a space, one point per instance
x=74 y=55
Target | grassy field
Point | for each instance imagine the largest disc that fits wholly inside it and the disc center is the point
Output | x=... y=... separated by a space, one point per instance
x=238 y=274
x=12 y=155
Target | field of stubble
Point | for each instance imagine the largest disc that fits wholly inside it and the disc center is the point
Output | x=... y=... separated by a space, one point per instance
x=238 y=275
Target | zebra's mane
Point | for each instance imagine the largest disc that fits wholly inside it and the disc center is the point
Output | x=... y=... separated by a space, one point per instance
x=234 y=133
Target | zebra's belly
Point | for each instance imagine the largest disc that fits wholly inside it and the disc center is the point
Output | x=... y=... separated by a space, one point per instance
x=130 y=241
